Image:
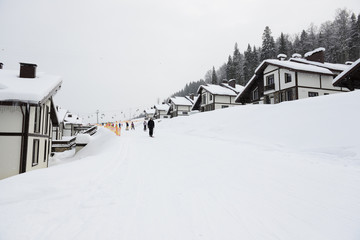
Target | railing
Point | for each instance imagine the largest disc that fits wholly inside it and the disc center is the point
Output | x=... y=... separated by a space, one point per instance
x=269 y=87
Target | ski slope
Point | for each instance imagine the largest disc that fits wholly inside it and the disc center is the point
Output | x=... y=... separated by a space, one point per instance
x=285 y=171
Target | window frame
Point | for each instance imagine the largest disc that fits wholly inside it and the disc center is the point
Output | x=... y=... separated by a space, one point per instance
x=37 y=119
x=35 y=155
x=313 y=94
x=288 y=77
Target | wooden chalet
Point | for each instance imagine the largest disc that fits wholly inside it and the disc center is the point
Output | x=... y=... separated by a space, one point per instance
x=212 y=97
x=161 y=111
x=179 y=106
x=281 y=80
x=27 y=114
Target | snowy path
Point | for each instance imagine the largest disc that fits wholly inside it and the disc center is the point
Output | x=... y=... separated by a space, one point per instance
x=137 y=187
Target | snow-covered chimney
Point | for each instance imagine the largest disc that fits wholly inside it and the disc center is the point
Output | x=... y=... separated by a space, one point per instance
x=316 y=55
x=348 y=63
x=1 y=65
x=28 y=70
x=296 y=55
x=192 y=96
x=224 y=81
x=232 y=83
x=281 y=57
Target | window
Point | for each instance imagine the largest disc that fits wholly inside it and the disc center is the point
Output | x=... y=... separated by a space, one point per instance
x=45 y=151
x=326 y=93
x=46 y=119
x=185 y=113
x=270 y=79
x=287 y=77
x=255 y=94
x=35 y=159
x=37 y=119
x=224 y=106
x=313 y=94
x=289 y=95
x=203 y=100
x=211 y=97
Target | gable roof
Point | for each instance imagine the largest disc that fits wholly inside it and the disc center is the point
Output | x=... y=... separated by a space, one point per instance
x=331 y=66
x=216 y=90
x=296 y=66
x=247 y=87
x=162 y=107
x=182 y=101
x=349 y=78
x=28 y=90
x=238 y=88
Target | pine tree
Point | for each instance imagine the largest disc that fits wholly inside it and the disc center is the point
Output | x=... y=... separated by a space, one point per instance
x=268 y=45
x=214 y=79
x=248 y=61
x=282 y=45
x=230 y=72
x=238 y=63
x=353 y=39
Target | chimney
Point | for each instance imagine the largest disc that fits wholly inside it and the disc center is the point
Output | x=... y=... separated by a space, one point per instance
x=296 y=55
x=27 y=70
x=232 y=83
x=224 y=81
x=281 y=57
x=1 y=65
x=316 y=55
x=192 y=96
x=348 y=63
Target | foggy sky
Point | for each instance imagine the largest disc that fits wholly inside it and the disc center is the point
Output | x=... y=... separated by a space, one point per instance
x=122 y=55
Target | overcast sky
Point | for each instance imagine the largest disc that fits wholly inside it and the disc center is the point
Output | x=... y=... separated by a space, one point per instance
x=125 y=54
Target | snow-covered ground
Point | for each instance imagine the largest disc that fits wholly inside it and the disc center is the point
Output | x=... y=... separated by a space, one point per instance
x=285 y=171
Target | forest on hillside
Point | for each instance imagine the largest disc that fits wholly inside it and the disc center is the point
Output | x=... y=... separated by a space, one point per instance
x=340 y=38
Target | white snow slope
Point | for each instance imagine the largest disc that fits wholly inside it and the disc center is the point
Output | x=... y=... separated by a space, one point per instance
x=289 y=171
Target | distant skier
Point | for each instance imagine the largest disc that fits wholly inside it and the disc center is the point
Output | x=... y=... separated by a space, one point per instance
x=132 y=126
x=145 y=125
x=151 y=126
x=127 y=126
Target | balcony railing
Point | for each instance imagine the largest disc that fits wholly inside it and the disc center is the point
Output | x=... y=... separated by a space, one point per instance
x=269 y=87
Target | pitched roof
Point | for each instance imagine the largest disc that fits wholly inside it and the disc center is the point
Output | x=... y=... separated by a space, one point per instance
x=238 y=88
x=293 y=66
x=71 y=118
x=217 y=90
x=182 y=101
x=352 y=73
x=162 y=107
x=29 y=90
x=331 y=66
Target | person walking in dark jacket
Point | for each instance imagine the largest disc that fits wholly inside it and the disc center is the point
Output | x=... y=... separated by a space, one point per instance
x=151 y=126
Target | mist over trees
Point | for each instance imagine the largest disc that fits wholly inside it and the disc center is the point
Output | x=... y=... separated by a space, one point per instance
x=340 y=38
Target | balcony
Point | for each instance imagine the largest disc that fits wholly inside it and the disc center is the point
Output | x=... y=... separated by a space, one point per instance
x=269 y=87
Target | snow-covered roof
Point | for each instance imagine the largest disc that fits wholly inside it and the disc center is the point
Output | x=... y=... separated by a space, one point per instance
x=331 y=66
x=347 y=71
x=238 y=88
x=281 y=55
x=150 y=111
x=31 y=90
x=182 y=101
x=61 y=113
x=217 y=90
x=162 y=107
x=72 y=119
x=295 y=66
x=320 y=49
x=296 y=55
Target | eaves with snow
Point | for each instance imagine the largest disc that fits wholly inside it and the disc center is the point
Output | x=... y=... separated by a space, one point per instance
x=27 y=90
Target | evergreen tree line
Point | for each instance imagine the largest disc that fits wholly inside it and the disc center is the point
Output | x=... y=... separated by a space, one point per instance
x=340 y=38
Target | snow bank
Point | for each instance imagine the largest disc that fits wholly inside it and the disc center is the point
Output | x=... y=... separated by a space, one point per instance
x=260 y=172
